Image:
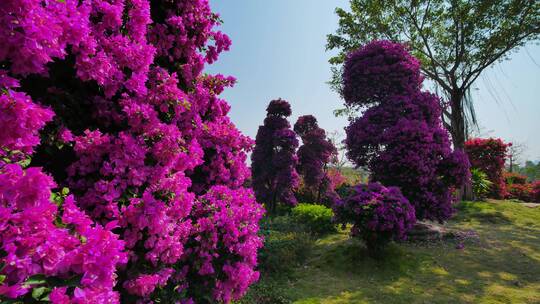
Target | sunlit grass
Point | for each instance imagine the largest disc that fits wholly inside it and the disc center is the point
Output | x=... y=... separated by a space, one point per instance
x=502 y=266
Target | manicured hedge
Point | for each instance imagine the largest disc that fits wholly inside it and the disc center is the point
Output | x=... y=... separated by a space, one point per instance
x=316 y=218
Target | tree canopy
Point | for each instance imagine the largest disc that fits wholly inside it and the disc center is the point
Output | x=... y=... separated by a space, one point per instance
x=454 y=40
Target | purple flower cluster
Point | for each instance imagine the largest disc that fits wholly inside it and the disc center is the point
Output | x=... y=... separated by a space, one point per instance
x=378 y=70
x=109 y=99
x=274 y=158
x=378 y=214
x=400 y=137
x=313 y=155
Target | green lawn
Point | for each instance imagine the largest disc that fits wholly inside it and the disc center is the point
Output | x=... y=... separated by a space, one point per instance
x=501 y=266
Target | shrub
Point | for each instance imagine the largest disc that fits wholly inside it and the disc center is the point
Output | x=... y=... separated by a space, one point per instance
x=316 y=218
x=268 y=291
x=481 y=185
x=283 y=251
x=522 y=192
x=514 y=178
x=108 y=99
x=399 y=136
x=378 y=215
x=535 y=192
x=286 y=244
x=488 y=155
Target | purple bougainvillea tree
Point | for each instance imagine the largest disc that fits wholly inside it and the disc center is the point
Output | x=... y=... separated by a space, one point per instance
x=274 y=158
x=313 y=156
x=121 y=176
x=400 y=136
x=378 y=215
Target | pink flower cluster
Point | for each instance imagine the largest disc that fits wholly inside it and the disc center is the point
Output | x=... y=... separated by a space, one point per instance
x=108 y=97
x=226 y=237
x=39 y=239
x=20 y=119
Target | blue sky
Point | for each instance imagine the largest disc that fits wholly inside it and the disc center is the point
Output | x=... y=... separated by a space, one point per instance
x=279 y=51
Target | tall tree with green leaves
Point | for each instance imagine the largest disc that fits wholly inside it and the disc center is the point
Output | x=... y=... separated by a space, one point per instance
x=455 y=41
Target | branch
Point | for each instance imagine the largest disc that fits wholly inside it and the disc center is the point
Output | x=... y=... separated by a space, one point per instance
x=474 y=74
x=471 y=78
x=433 y=61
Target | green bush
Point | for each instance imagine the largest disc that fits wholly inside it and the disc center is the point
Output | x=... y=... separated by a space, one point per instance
x=316 y=218
x=283 y=251
x=284 y=223
x=481 y=185
x=266 y=291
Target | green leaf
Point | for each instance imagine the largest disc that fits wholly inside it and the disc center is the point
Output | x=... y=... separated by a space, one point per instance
x=25 y=162
x=37 y=293
x=65 y=191
x=2 y=278
x=35 y=279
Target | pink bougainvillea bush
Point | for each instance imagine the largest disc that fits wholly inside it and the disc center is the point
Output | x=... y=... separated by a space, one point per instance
x=489 y=155
x=399 y=137
x=378 y=215
x=121 y=176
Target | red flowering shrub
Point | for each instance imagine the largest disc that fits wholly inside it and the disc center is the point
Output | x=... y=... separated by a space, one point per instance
x=400 y=137
x=514 y=178
x=522 y=192
x=488 y=155
x=535 y=192
x=108 y=98
x=378 y=215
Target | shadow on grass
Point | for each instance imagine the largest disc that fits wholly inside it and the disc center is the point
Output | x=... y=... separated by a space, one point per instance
x=503 y=267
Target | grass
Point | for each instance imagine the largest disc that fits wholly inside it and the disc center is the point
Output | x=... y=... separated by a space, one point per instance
x=501 y=266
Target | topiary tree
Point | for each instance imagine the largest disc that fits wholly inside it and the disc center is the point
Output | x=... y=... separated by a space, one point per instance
x=378 y=215
x=313 y=155
x=274 y=158
x=106 y=100
x=400 y=137
x=488 y=155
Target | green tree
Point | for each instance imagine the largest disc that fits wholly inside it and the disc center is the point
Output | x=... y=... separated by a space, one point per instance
x=531 y=169
x=455 y=41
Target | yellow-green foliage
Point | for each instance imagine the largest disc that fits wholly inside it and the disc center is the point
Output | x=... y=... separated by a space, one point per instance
x=316 y=218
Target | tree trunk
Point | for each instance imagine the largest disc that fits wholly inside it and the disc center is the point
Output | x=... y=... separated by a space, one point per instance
x=511 y=169
x=459 y=135
x=457 y=121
